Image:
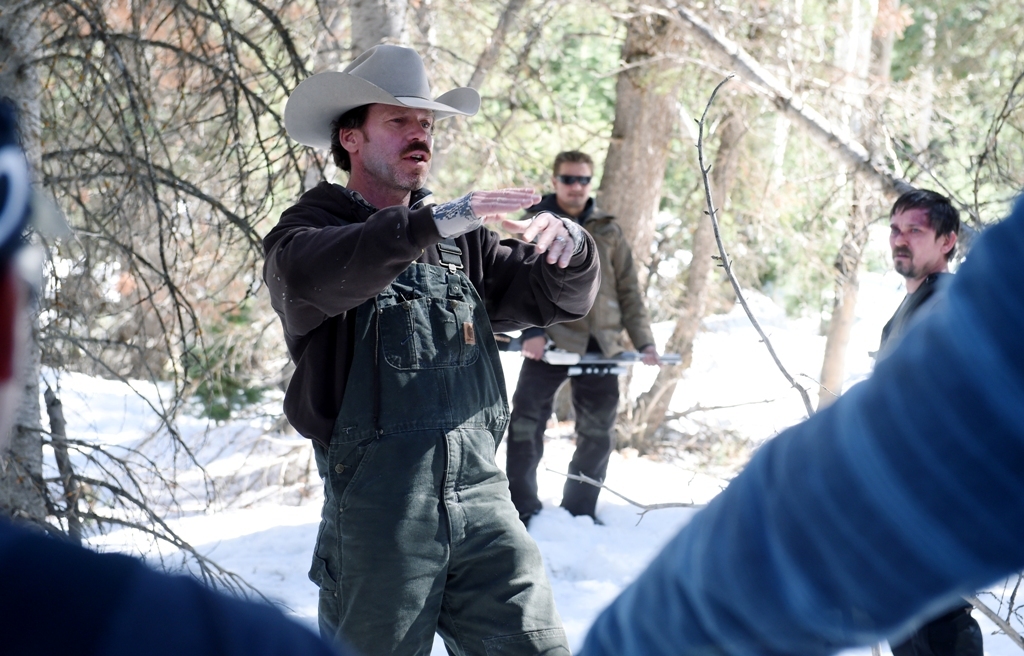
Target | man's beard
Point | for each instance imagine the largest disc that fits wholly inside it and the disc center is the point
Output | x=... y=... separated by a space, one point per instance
x=576 y=205
x=389 y=175
x=904 y=267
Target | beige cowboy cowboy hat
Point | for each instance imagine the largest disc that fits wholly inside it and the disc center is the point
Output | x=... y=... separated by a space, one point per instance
x=390 y=75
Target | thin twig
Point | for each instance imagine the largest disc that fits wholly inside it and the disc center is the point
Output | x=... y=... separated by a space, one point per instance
x=725 y=258
x=644 y=507
x=708 y=408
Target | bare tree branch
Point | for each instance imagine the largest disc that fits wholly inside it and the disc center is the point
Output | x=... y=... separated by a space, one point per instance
x=1000 y=622
x=855 y=154
x=725 y=263
x=69 y=481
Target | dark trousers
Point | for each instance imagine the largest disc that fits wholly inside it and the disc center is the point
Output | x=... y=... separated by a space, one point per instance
x=595 y=400
x=954 y=634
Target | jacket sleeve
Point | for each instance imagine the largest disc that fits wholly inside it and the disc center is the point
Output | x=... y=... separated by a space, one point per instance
x=870 y=516
x=316 y=268
x=132 y=609
x=635 y=318
x=177 y=615
x=521 y=289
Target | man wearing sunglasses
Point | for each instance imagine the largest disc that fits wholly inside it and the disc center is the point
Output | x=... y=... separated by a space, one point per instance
x=619 y=305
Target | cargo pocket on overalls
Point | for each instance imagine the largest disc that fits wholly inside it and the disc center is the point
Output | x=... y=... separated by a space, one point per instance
x=427 y=332
x=345 y=460
x=544 y=642
x=319 y=569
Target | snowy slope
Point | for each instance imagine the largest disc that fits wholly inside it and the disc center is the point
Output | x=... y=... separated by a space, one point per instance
x=265 y=533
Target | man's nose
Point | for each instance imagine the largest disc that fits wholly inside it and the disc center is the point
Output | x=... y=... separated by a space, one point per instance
x=420 y=133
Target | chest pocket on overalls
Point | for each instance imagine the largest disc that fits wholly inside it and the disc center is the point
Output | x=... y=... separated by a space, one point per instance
x=427 y=326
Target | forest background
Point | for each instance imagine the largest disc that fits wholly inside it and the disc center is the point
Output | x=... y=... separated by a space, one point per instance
x=156 y=128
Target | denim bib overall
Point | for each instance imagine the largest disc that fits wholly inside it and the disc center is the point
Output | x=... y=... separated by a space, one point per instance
x=418 y=531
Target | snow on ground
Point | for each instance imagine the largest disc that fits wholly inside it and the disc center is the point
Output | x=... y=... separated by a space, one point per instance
x=263 y=525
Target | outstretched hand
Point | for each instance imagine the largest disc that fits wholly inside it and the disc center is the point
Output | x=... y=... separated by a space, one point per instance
x=492 y=205
x=550 y=234
x=546 y=229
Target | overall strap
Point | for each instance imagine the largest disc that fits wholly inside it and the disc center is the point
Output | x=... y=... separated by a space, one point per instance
x=451 y=254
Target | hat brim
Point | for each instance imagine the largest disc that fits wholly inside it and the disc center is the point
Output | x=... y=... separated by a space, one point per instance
x=320 y=99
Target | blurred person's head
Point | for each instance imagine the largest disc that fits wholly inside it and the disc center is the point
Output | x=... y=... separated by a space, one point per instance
x=571 y=176
x=15 y=209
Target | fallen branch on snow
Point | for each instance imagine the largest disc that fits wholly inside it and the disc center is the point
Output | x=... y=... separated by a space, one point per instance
x=644 y=507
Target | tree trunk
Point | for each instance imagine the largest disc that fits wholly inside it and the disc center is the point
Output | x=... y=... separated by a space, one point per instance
x=489 y=57
x=377 y=21
x=847 y=285
x=330 y=52
x=21 y=470
x=448 y=136
x=425 y=23
x=866 y=56
x=923 y=133
x=645 y=113
x=652 y=405
x=68 y=479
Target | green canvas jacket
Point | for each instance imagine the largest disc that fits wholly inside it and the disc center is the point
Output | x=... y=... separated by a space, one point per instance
x=619 y=304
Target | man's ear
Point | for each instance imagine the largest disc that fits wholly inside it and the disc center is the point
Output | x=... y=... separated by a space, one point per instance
x=948 y=242
x=350 y=139
x=10 y=302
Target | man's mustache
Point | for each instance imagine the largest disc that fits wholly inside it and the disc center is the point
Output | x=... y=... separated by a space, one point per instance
x=416 y=147
x=901 y=251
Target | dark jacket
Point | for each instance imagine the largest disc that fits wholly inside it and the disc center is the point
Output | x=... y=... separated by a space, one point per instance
x=922 y=297
x=332 y=251
x=125 y=608
x=619 y=303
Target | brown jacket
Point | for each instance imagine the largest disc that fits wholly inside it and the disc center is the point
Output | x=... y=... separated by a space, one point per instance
x=332 y=251
x=619 y=303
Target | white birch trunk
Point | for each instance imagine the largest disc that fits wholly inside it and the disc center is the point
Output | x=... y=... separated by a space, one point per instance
x=923 y=133
x=377 y=21
x=21 y=492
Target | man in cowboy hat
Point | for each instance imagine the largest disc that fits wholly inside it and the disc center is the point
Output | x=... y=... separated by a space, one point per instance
x=130 y=608
x=388 y=305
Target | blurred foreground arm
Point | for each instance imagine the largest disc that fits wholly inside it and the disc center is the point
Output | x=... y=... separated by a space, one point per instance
x=882 y=509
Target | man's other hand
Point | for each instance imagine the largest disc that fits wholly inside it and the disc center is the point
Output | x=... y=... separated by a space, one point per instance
x=649 y=355
x=549 y=233
x=534 y=347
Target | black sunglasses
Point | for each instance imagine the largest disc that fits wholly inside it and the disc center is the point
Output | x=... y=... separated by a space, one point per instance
x=573 y=179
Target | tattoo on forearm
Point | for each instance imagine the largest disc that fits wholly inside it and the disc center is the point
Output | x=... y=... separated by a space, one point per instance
x=456 y=217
